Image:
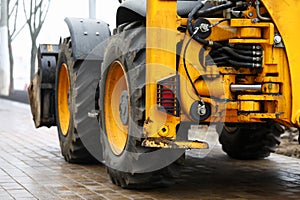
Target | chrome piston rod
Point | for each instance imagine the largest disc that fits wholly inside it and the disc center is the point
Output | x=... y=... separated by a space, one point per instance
x=246 y=88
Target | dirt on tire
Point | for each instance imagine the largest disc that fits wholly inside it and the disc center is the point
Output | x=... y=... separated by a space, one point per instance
x=289 y=145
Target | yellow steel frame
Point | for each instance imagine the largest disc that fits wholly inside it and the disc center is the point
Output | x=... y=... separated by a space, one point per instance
x=279 y=75
x=161 y=37
x=275 y=73
x=285 y=15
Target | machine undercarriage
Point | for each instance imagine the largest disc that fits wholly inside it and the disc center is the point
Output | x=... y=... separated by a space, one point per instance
x=128 y=99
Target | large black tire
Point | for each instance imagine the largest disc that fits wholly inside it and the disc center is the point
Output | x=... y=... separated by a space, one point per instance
x=79 y=135
x=250 y=142
x=132 y=166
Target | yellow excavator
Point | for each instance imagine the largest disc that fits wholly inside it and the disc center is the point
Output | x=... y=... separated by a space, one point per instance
x=128 y=98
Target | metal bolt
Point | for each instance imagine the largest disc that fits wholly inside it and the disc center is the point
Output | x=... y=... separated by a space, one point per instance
x=250 y=14
x=204 y=27
x=97 y=33
x=93 y=114
x=201 y=110
x=277 y=39
x=85 y=33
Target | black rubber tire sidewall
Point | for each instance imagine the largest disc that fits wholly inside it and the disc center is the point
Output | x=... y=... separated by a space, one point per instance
x=249 y=142
x=129 y=47
x=65 y=141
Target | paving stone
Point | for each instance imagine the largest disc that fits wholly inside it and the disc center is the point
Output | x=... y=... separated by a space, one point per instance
x=21 y=193
x=31 y=167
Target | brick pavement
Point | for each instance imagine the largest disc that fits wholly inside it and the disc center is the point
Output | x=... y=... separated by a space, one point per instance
x=31 y=167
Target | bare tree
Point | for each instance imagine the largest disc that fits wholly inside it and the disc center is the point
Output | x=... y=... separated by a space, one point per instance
x=4 y=57
x=35 y=15
x=13 y=32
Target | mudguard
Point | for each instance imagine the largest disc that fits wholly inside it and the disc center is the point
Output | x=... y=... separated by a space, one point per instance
x=41 y=89
x=88 y=38
x=130 y=11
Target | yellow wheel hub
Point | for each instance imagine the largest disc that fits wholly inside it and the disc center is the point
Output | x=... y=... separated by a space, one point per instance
x=116 y=107
x=63 y=99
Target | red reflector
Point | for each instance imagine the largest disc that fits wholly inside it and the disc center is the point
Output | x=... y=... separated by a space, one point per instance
x=168 y=97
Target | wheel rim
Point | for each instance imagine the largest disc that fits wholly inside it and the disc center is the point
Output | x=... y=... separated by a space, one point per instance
x=116 y=107
x=63 y=99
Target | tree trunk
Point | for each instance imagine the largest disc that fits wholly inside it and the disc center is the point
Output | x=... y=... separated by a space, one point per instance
x=11 y=61
x=4 y=55
x=33 y=58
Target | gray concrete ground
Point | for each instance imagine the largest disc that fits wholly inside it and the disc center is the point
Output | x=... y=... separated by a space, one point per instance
x=31 y=167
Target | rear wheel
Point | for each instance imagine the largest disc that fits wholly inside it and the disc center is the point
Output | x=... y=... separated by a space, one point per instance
x=72 y=108
x=255 y=141
x=122 y=105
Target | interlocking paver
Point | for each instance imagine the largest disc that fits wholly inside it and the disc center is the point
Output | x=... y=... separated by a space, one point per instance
x=31 y=167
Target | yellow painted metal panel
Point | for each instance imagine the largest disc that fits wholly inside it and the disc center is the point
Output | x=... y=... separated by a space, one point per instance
x=285 y=14
x=251 y=106
x=161 y=41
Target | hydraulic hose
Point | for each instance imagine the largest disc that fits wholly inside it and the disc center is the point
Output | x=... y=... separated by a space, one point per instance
x=244 y=64
x=251 y=53
x=225 y=61
x=217 y=60
x=228 y=56
x=194 y=15
x=202 y=13
x=245 y=47
x=248 y=52
x=190 y=24
x=239 y=56
x=201 y=102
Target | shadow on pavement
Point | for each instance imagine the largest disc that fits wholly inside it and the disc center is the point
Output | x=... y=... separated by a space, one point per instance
x=18 y=95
